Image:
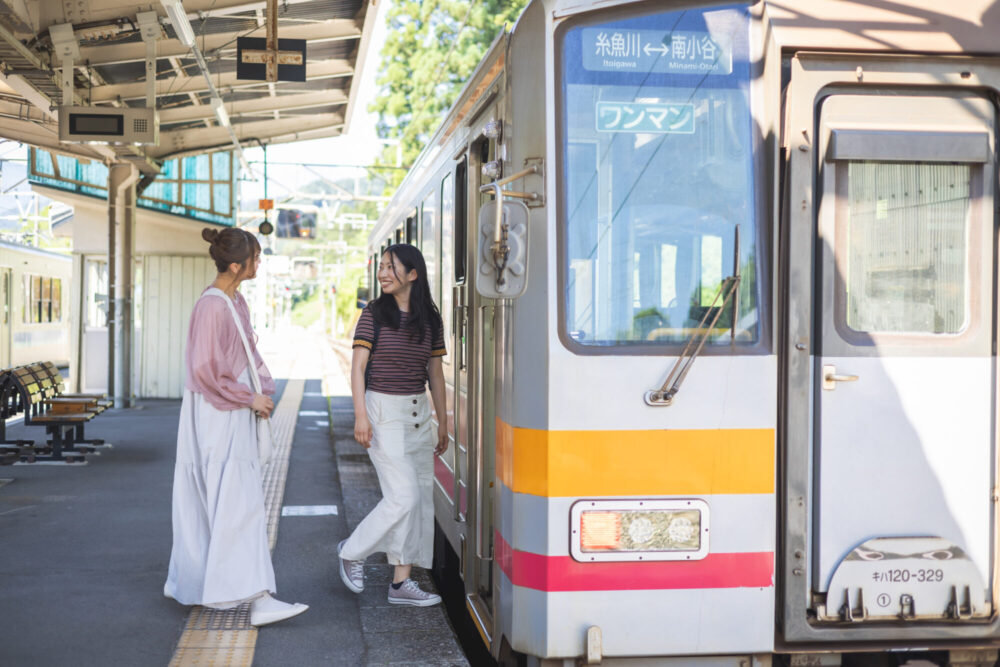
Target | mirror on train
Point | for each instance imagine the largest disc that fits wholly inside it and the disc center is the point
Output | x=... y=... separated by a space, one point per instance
x=362 y=297
x=502 y=259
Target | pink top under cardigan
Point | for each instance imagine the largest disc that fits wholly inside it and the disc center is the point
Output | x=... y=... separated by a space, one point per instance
x=215 y=356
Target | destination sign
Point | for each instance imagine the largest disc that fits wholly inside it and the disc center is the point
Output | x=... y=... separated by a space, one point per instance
x=645 y=117
x=678 y=52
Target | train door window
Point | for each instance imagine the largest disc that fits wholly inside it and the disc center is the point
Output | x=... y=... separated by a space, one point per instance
x=411 y=228
x=905 y=228
x=447 y=257
x=461 y=221
x=429 y=243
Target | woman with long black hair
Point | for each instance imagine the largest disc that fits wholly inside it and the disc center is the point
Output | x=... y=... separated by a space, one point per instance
x=398 y=346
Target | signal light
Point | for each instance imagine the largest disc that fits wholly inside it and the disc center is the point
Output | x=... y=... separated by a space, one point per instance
x=600 y=530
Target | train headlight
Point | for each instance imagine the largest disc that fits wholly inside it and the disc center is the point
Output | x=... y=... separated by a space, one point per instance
x=609 y=530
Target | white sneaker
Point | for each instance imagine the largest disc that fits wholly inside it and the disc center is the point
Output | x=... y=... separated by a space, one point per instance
x=411 y=594
x=266 y=609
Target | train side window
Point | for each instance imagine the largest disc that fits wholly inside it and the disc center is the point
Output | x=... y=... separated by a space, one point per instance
x=461 y=224
x=428 y=243
x=447 y=258
x=398 y=235
x=411 y=228
x=55 y=303
x=32 y=299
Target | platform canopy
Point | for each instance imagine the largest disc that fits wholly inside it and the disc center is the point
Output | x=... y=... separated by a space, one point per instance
x=111 y=66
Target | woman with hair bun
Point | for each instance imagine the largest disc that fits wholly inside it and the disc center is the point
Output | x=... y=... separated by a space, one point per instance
x=220 y=556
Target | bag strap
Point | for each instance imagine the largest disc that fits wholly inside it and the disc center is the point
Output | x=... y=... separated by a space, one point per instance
x=371 y=353
x=254 y=377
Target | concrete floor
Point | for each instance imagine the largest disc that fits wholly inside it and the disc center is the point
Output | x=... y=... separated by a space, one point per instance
x=85 y=550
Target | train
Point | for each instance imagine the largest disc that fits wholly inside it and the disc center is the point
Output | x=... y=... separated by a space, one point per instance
x=35 y=303
x=718 y=283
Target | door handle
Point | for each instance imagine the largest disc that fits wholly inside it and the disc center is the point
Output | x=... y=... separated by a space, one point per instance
x=831 y=378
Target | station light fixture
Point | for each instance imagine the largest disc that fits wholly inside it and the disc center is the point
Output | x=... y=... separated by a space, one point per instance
x=220 y=111
x=178 y=19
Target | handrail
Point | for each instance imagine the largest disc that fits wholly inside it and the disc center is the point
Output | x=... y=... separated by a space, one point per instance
x=478 y=468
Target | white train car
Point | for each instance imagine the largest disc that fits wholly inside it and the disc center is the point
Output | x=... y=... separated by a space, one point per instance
x=723 y=387
x=34 y=305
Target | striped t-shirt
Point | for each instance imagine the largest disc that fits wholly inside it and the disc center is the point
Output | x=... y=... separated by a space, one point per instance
x=399 y=364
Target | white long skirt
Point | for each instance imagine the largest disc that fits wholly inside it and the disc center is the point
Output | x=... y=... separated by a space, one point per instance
x=220 y=556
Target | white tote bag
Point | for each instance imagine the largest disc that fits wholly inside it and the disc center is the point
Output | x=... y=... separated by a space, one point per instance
x=264 y=445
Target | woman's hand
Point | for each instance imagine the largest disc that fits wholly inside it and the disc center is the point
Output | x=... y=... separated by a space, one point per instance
x=262 y=405
x=363 y=431
x=442 y=445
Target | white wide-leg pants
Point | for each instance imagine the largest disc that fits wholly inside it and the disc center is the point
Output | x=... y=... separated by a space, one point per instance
x=402 y=451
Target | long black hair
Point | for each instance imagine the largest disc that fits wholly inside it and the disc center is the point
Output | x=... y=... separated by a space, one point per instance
x=424 y=314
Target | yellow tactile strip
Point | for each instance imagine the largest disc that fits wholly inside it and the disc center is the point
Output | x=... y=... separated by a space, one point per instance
x=224 y=637
x=283 y=422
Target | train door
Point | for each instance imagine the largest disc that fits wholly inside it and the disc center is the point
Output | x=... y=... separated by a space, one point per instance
x=6 y=276
x=900 y=396
x=481 y=406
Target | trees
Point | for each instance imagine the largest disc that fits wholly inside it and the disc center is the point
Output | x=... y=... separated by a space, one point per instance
x=432 y=47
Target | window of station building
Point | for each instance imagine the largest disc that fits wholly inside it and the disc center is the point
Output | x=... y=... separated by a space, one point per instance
x=656 y=148
x=43 y=300
x=201 y=187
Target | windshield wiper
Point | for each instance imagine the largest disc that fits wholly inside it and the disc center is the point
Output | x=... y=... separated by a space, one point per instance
x=727 y=291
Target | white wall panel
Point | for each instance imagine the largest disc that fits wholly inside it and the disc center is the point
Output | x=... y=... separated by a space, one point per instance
x=172 y=285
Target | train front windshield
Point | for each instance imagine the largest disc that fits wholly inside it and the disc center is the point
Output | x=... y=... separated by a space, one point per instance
x=657 y=177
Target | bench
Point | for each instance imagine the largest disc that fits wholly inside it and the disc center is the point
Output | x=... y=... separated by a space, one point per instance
x=33 y=391
x=49 y=375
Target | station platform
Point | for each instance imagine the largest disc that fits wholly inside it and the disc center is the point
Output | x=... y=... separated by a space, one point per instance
x=85 y=547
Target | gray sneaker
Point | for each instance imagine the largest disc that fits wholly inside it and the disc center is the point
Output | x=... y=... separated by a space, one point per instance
x=352 y=572
x=410 y=593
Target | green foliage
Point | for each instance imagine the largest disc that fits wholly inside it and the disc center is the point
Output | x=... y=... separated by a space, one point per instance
x=432 y=48
x=307 y=309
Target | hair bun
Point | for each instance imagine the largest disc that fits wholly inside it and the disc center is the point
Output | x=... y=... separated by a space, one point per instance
x=210 y=234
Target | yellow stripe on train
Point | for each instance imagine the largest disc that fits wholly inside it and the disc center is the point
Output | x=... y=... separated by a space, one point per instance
x=629 y=463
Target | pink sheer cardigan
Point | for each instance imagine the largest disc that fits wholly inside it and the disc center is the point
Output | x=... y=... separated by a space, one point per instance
x=215 y=356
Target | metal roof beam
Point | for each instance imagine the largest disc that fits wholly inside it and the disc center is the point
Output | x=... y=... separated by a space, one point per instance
x=50 y=11
x=257 y=105
x=200 y=139
x=181 y=85
x=314 y=33
x=198 y=8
